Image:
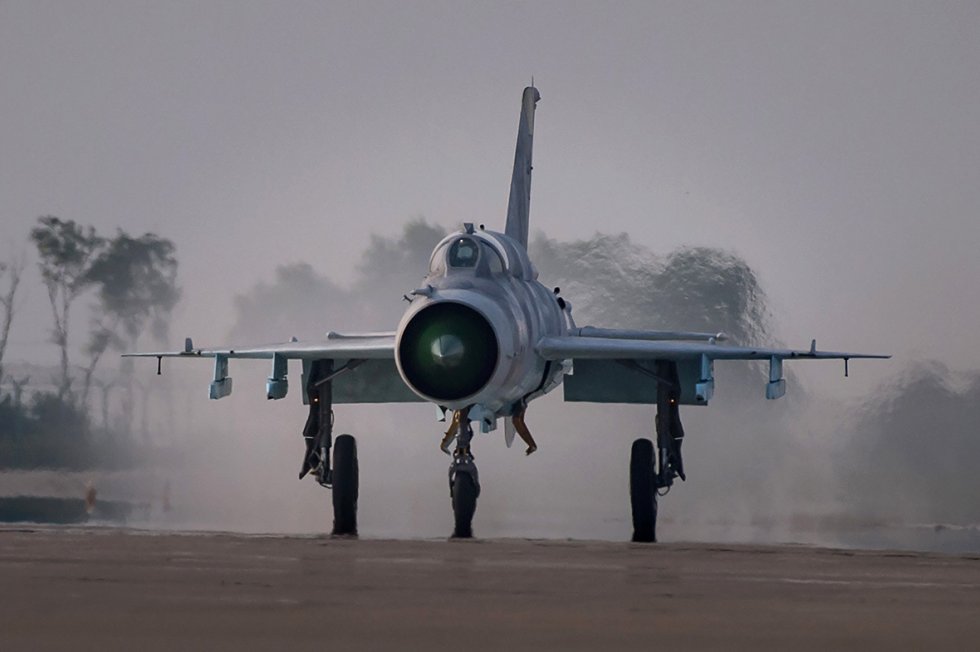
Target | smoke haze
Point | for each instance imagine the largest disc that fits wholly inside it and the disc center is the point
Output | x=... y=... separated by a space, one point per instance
x=798 y=469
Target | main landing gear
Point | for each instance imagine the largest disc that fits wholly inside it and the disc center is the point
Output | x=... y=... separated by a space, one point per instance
x=647 y=479
x=652 y=469
x=342 y=478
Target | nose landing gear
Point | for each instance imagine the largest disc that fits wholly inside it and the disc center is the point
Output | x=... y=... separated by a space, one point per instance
x=464 y=479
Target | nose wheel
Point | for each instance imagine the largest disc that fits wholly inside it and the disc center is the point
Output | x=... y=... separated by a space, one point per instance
x=464 y=491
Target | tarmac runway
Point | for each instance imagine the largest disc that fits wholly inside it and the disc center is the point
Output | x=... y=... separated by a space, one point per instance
x=107 y=588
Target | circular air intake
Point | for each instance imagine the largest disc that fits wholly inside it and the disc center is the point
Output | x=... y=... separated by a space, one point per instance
x=448 y=351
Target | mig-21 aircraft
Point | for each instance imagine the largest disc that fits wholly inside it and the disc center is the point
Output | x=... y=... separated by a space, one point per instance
x=482 y=338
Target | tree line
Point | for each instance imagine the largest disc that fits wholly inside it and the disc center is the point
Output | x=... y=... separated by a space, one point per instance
x=133 y=282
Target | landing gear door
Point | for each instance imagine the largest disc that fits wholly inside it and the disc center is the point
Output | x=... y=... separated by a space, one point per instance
x=306 y=374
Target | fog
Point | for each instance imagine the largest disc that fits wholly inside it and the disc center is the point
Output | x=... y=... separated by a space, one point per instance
x=832 y=149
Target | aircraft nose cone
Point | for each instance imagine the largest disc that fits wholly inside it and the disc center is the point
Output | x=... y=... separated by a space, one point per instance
x=448 y=351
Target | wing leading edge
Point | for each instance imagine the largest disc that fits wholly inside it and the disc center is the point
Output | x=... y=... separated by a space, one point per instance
x=563 y=348
x=378 y=346
x=365 y=365
x=607 y=370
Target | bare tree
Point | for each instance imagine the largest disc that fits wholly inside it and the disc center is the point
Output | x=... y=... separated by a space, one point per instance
x=106 y=387
x=102 y=336
x=12 y=271
x=66 y=250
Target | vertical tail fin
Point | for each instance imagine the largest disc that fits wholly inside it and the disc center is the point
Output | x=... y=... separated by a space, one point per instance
x=519 y=208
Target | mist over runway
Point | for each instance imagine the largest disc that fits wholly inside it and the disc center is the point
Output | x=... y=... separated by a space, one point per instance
x=119 y=589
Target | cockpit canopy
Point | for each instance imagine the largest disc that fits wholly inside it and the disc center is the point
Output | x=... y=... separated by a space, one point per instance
x=466 y=252
x=463 y=252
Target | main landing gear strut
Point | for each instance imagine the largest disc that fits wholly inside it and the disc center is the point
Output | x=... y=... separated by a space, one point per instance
x=318 y=434
x=647 y=479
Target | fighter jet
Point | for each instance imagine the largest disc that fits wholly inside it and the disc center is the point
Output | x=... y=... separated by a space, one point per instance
x=482 y=338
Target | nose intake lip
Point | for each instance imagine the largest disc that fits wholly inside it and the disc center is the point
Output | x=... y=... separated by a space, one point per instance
x=448 y=351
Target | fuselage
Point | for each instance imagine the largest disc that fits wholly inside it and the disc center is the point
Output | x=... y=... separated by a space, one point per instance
x=468 y=336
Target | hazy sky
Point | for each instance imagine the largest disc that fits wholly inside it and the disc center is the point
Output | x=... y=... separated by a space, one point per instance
x=834 y=145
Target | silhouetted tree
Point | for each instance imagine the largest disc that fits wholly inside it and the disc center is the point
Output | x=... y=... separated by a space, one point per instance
x=297 y=302
x=136 y=283
x=390 y=267
x=406 y=256
x=612 y=281
x=12 y=272
x=66 y=250
x=701 y=288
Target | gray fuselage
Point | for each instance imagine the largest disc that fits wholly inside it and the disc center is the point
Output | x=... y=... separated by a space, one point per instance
x=481 y=286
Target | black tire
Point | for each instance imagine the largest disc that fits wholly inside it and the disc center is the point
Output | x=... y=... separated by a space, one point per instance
x=464 y=505
x=643 y=492
x=345 y=485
